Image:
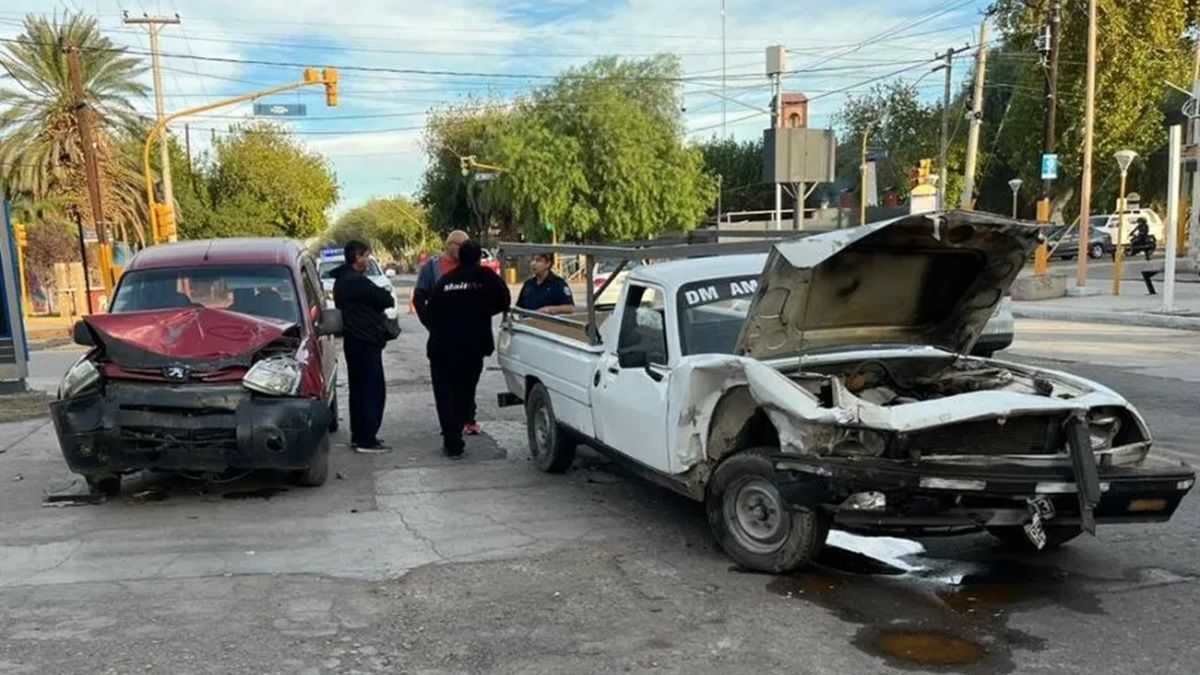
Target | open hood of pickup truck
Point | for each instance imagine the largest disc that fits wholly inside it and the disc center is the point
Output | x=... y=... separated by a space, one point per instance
x=208 y=339
x=930 y=279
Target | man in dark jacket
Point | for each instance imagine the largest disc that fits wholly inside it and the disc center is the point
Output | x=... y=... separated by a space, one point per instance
x=363 y=338
x=459 y=316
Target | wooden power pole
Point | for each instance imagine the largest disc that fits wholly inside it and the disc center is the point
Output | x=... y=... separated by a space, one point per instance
x=1089 y=129
x=968 y=196
x=944 y=152
x=87 y=139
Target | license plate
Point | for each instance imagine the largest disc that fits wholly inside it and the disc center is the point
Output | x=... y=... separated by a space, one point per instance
x=1040 y=509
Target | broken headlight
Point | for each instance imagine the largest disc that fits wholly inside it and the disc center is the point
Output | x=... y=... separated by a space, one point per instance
x=277 y=376
x=79 y=378
x=1103 y=430
x=858 y=443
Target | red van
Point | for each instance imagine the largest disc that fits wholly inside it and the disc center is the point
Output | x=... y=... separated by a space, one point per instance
x=215 y=356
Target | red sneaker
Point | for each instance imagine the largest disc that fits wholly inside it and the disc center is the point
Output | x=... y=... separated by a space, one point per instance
x=472 y=429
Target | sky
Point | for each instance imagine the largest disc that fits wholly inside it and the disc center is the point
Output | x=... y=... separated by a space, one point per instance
x=400 y=58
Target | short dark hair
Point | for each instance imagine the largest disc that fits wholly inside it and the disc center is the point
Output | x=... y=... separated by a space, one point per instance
x=354 y=248
x=469 y=253
x=547 y=258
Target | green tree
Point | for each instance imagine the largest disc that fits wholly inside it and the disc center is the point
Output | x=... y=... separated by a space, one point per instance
x=395 y=225
x=740 y=165
x=452 y=201
x=907 y=129
x=40 y=149
x=1141 y=47
x=261 y=183
x=624 y=172
x=598 y=153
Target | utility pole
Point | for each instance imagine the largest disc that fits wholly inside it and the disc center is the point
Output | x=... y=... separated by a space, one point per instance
x=776 y=64
x=968 y=196
x=87 y=139
x=1048 y=141
x=154 y=25
x=944 y=152
x=1089 y=130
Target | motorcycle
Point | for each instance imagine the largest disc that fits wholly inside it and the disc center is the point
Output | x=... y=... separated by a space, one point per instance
x=1145 y=244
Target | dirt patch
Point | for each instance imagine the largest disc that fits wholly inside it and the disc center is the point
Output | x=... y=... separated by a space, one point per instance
x=27 y=406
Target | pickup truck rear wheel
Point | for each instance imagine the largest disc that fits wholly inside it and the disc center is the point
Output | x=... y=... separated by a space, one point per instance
x=752 y=522
x=318 y=470
x=552 y=447
x=1014 y=537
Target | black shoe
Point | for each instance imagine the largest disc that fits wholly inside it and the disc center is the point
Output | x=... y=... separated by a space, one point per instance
x=376 y=448
x=454 y=454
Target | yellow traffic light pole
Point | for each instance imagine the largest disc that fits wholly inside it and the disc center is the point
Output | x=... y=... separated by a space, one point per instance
x=327 y=77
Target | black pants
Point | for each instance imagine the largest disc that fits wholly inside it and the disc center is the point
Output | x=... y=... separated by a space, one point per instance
x=368 y=393
x=454 y=381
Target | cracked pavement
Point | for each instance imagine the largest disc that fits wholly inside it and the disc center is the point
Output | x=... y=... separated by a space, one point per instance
x=407 y=562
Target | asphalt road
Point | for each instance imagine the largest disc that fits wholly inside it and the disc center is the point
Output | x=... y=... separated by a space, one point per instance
x=408 y=563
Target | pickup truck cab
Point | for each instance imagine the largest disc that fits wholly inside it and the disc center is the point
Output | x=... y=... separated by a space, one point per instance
x=216 y=355
x=828 y=383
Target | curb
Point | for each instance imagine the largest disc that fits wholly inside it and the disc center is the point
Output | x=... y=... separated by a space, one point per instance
x=1144 y=319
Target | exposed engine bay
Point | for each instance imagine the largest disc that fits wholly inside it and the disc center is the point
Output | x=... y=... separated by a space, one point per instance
x=899 y=382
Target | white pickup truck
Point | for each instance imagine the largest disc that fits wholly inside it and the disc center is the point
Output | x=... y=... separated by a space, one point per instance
x=827 y=383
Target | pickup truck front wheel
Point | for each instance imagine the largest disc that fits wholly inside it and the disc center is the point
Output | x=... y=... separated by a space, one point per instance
x=752 y=522
x=552 y=447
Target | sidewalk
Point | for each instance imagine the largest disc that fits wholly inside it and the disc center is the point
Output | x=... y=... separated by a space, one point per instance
x=1134 y=307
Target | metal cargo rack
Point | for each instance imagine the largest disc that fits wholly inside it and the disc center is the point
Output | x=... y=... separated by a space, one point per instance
x=698 y=244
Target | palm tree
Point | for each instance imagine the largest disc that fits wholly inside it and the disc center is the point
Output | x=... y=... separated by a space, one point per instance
x=40 y=148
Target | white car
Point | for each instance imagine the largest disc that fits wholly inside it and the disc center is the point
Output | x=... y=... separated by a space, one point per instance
x=330 y=260
x=828 y=383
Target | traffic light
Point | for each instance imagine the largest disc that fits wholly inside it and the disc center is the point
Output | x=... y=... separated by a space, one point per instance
x=926 y=168
x=19 y=232
x=330 y=77
x=165 y=217
x=312 y=76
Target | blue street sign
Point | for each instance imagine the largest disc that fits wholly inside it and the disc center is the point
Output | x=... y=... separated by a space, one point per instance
x=332 y=253
x=1049 y=166
x=280 y=109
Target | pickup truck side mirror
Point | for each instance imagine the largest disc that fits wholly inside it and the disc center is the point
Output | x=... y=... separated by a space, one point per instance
x=82 y=335
x=633 y=358
x=330 y=322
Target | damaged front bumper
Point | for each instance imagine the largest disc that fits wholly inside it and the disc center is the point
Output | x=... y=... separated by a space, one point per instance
x=929 y=496
x=206 y=428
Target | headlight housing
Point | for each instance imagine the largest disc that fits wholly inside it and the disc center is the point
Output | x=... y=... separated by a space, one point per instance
x=858 y=442
x=1103 y=429
x=276 y=376
x=82 y=376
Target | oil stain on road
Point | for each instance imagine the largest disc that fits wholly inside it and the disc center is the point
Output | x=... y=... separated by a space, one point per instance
x=923 y=613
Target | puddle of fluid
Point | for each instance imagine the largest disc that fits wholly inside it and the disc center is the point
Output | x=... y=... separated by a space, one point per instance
x=259 y=493
x=929 y=648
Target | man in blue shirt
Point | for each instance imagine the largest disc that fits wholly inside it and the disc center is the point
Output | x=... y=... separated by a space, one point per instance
x=545 y=291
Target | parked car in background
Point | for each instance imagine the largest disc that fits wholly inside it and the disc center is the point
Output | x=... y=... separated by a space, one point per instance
x=1108 y=225
x=601 y=272
x=216 y=355
x=998 y=332
x=332 y=257
x=1064 y=243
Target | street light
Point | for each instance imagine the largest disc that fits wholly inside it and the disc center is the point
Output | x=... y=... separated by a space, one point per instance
x=1124 y=159
x=1015 y=186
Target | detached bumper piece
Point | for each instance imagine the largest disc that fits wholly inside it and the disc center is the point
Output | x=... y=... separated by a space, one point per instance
x=132 y=426
x=908 y=496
